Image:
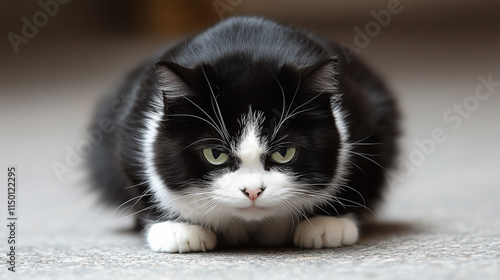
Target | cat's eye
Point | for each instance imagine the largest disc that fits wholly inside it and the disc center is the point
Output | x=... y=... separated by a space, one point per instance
x=215 y=157
x=283 y=155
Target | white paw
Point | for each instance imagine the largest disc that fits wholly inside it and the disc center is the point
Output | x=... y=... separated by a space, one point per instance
x=173 y=237
x=325 y=232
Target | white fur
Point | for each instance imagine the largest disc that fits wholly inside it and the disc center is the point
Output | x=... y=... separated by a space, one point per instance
x=224 y=208
x=227 y=189
x=325 y=232
x=223 y=202
x=173 y=237
x=342 y=169
x=152 y=122
x=250 y=147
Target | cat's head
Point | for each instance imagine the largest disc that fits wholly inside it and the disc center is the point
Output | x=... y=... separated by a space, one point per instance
x=249 y=141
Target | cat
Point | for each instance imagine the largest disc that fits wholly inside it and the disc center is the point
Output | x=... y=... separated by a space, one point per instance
x=251 y=133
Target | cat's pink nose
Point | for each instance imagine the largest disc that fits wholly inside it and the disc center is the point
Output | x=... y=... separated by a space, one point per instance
x=253 y=194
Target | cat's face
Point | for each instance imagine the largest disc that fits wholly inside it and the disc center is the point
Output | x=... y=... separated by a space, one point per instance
x=246 y=143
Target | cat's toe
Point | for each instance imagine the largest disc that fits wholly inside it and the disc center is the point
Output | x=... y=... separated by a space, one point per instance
x=325 y=232
x=178 y=237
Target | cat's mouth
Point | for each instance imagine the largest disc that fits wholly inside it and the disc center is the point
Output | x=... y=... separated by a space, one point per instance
x=253 y=213
x=253 y=208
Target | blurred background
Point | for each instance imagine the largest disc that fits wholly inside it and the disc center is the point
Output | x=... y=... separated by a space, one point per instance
x=58 y=58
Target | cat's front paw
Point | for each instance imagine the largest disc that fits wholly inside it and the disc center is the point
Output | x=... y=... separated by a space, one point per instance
x=179 y=237
x=325 y=232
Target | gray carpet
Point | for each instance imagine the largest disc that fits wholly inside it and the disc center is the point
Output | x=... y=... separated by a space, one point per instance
x=440 y=221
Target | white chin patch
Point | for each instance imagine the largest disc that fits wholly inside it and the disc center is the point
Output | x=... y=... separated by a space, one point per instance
x=230 y=188
x=254 y=213
x=273 y=187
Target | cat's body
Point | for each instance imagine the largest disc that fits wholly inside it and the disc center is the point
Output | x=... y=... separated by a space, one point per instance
x=250 y=133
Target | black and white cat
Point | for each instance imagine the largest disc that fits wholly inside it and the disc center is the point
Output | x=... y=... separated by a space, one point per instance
x=249 y=134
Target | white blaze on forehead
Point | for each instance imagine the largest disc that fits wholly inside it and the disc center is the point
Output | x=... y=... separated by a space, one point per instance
x=250 y=147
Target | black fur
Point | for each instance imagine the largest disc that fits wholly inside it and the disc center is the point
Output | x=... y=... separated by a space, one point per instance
x=245 y=61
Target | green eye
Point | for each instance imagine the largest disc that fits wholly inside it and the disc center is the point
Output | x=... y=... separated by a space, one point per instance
x=283 y=155
x=215 y=157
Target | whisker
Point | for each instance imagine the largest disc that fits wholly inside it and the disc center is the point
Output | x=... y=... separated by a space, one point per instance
x=351 y=188
x=366 y=144
x=139 y=197
x=295 y=93
x=200 y=203
x=136 y=185
x=283 y=120
x=199 y=118
x=363 y=139
x=201 y=140
x=284 y=205
x=206 y=114
x=325 y=197
x=305 y=103
x=356 y=204
x=218 y=114
x=301 y=212
x=299 y=112
x=363 y=156
x=137 y=212
x=366 y=154
x=352 y=162
x=282 y=107
x=137 y=201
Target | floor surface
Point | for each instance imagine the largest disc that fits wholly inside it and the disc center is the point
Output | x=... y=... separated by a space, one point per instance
x=440 y=219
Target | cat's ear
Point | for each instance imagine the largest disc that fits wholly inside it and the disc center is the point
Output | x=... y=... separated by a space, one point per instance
x=172 y=80
x=322 y=76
